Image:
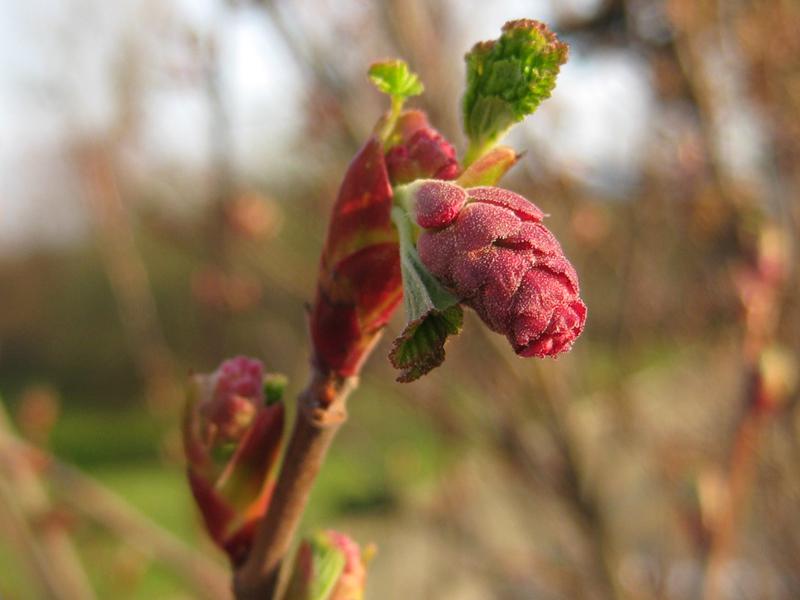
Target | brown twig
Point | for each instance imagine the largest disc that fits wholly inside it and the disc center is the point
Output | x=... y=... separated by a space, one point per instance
x=126 y=271
x=207 y=578
x=743 y=466
x=572 y=486
x=321 y=411
x=84 y=494
x=52 y=554
x=19 y=533
x=766 y=388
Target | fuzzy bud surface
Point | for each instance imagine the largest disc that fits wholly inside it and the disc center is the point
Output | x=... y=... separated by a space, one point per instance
x=489 y=246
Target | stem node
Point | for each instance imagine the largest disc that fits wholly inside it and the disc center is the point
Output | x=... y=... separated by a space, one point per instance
x=321 y=410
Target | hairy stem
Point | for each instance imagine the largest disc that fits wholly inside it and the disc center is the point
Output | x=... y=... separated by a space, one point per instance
x=321 y=411
x=392 y=117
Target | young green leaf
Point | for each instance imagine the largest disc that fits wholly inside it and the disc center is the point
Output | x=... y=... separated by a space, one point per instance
x=433 y=313
x=394 y=78
x=274 y=387
x=420 y=348
x=507 y=79
x=317 y=569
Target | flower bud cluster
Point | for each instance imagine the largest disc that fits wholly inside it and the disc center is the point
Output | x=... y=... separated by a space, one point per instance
x=489 y=246
x=359 y=285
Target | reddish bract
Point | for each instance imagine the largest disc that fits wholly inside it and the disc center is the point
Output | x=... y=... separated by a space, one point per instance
x=360 y=286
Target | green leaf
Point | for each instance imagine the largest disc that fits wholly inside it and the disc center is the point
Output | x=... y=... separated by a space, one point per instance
x=274 y=387
x=507 y=79
x=393 y=77
x=420 y=348
x=316 y=571
x=329 y=563
x=433 y=313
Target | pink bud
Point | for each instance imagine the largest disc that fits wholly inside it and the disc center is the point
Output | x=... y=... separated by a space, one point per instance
x=489 y=246
x=414 y=150
x=425 y=154
x=238 y=392
x=438 y=204
x=353 y=577
x=328 y=561
x=232 y=441
x=240 y=376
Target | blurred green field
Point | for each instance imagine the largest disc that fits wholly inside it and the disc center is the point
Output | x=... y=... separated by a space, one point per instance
x=126 y=449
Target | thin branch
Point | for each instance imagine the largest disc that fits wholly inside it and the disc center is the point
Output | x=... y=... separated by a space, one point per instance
x=583 y=503
x=126 y=271
x=207 y=578
x=50 y=549
x=25 y=544
x=321 y=411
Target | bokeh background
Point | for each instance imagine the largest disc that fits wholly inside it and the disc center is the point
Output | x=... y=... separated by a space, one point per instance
x=166 y=168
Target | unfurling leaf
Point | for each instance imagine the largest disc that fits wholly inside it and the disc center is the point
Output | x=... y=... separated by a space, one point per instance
x=507 y=79
x=432 y=312
x=328 y=566
x=420 y=348
x=394 y=78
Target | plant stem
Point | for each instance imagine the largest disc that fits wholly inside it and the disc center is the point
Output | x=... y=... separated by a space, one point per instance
x=391 y=118
x=742 y=472
x=50 y=549
x=321 y=410
x=476 y=150
x=583 y=501
x=85 y=495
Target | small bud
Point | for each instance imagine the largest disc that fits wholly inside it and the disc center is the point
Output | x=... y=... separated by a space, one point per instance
x=237 y=394
x=274 y=387
x=232 y=440
x=328 y=566
x=424 y=154
x=360 y=285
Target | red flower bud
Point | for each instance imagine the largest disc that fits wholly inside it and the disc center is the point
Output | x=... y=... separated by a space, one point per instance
x=359 y=285
x=488 y=245
x=422 y=153
x=232 y=441
x=238 y=392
